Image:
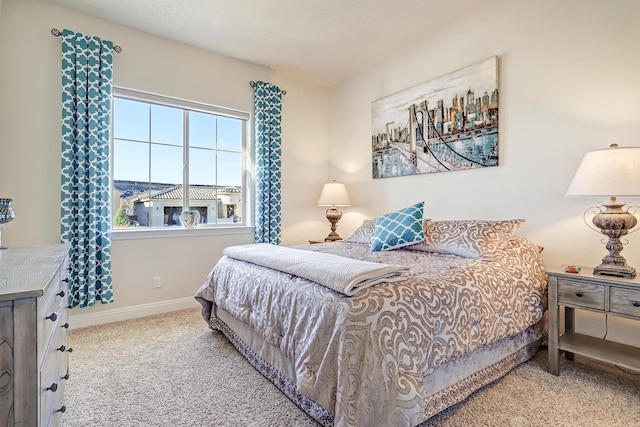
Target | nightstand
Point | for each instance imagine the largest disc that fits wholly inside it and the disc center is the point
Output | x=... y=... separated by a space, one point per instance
x=609 y=295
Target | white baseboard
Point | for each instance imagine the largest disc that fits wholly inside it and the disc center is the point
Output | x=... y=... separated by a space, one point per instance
x=117 y=314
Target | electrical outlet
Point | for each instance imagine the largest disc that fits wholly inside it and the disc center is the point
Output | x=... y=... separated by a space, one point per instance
x=156 y=282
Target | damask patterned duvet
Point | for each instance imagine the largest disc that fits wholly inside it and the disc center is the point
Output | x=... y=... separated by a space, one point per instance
x=366 y=360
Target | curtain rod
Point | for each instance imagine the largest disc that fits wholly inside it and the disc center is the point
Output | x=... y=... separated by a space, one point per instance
x=57 y=33
x=253 y=84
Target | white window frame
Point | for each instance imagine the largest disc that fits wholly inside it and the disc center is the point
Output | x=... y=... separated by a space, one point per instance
x=246 y=227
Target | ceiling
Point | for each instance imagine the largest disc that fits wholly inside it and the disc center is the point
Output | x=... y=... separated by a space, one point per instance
x=321 y=41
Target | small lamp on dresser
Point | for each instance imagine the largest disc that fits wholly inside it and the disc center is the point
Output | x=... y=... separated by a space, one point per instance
x=612 y=172
x=334 y=194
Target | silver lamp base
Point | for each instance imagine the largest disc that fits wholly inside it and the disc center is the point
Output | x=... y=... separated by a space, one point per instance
x=614 y=221
x=333 y=215
x=611 y=269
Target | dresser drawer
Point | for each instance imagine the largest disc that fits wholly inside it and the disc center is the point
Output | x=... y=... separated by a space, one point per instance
x=53 y=371
x=52 y=401
x=50 y=307
x=581 y=294
x=625 y=301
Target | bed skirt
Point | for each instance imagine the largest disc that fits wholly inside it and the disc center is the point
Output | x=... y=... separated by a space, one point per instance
x=450 y=384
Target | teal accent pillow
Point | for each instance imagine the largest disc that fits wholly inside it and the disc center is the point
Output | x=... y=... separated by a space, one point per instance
x=397 y=229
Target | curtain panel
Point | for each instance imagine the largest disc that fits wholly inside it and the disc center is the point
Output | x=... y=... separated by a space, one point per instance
x=268 y=120
x=85 y=182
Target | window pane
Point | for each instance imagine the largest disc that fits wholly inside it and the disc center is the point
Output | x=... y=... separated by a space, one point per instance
x=229 y=169
x=202 y=167
x=229 y=134
x=202 y=130
x=229 y=204
x=130 y=119
x=166 y=164
x=202 y=180
x=130 y=161
x=166 y=125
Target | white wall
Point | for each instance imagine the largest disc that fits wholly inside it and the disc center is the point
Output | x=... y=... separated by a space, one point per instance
x=569 y=83
x=568 y=79
x=30 y=146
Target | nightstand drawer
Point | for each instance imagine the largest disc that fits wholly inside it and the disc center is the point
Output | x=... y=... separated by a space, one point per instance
x=581 y=294
x=625 y=301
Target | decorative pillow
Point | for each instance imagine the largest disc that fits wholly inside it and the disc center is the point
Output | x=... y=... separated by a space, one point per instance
x=362 y=234
x=467 y=238
x=397 y=229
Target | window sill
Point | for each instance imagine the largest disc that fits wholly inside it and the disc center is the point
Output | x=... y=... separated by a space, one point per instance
x=165 y=233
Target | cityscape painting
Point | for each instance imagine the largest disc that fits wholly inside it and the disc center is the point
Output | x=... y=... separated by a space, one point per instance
x=446 y=124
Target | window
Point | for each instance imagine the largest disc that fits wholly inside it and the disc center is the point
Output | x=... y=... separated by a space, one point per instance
x=171 y=155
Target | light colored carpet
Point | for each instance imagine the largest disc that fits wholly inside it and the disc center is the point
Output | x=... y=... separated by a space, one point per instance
x=172 y=370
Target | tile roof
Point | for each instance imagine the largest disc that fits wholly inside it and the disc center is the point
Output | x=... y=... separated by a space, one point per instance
x=174 y=193
x=137 y=192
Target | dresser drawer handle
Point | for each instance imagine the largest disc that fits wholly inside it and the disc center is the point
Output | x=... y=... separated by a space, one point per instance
x=53 y=317
x=60 y=294
x=63 y=349
x=66 y=377
x=65 y=280
x=579 y=294
x=635 y=303
x=53 y=387
x=62 y=409
x=66 y=325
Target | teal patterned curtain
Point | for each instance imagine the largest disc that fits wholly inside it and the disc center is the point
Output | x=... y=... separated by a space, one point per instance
x=86 y=201
x=268 y=119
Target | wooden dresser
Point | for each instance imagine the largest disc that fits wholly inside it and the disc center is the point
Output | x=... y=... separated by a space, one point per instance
x=33 y=334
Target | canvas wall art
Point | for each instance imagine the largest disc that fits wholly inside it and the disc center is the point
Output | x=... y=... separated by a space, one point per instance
x=446 y=124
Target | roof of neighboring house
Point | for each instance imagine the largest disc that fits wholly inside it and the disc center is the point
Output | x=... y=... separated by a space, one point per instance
x=227 y=190
x=134 y=192
x=176 y=193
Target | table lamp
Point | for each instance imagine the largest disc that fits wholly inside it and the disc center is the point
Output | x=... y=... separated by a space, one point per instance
x=611 y=172
x=334 y=194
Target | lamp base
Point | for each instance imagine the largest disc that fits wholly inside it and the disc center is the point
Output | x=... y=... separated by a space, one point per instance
x=332 y=237
x=614 y=269
x=614 y=222
x=333 y=215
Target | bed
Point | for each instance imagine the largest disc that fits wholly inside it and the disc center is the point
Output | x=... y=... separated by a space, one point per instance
x=464 y=308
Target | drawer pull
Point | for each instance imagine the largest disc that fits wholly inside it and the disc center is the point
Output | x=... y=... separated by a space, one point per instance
x=635 y=303
x=579 y=294
x=61 y=348
x=62 y=409
x=66 y=377
x=69 y=350
x=65 y=280
x=53 y=317
x=53 y=387
x=66 y=325
x=60 y=294
x=69 y=306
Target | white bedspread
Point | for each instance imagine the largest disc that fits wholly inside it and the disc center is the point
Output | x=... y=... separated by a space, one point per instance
x=345 y=275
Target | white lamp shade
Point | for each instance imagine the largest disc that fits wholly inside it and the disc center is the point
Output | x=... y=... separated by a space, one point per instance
x=334 y=194
x=611 y=172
